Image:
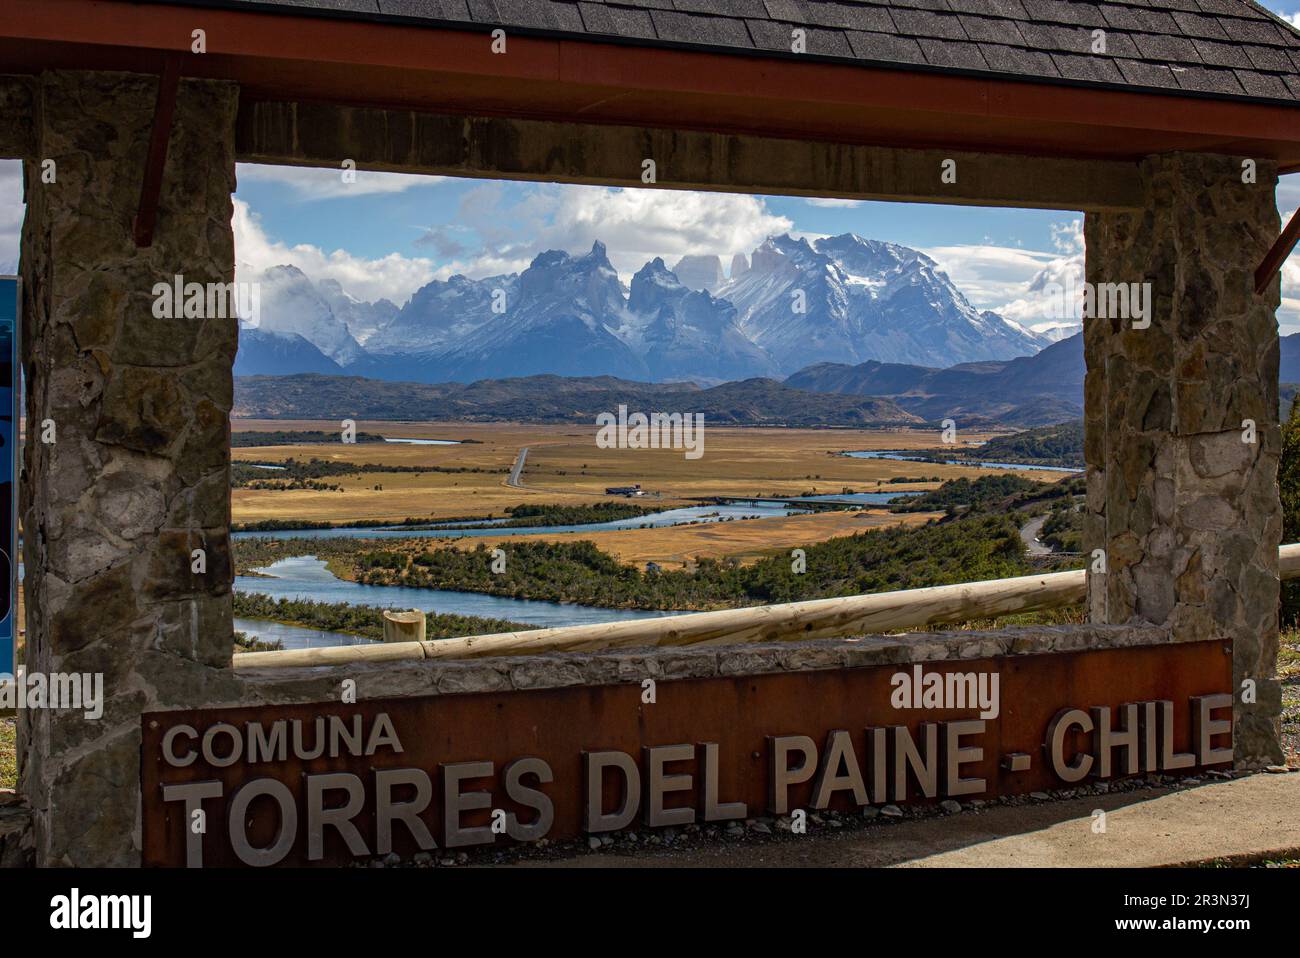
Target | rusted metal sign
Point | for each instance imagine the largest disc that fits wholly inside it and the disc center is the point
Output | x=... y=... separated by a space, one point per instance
x=329 y=783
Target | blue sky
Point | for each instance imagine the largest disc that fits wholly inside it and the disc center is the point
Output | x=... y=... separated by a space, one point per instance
x=374 y=224
x=385 y=235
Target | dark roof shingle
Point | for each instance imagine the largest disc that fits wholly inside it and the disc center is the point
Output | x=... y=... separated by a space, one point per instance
x=1233 y=48
x=616 y=21
x=701 y=29
x=885 y=47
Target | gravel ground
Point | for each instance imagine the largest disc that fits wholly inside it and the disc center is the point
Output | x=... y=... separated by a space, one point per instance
x=766 y=830
x=8 y=753
x=1288 y=669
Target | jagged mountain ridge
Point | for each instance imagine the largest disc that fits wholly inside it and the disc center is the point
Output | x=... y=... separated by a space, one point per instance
x=849 y=299
x=571 y=315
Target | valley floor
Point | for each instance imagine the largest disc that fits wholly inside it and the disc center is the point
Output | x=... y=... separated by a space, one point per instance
x=742 y=540
x=475 y=474
x=565 y=467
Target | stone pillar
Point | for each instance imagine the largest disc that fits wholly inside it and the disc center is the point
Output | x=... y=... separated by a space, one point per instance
x=1186 y=510
x=137 y=474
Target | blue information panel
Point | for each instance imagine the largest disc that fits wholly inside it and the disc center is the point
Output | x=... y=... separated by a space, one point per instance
x=8 y=445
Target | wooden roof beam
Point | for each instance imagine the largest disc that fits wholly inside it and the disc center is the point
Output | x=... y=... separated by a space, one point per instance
x=1277 y=254
x=156 y=159
x=314 y=134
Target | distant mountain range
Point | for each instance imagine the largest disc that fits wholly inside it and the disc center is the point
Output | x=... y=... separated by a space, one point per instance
x=788 y=304
x=1289 y=359
x=873 y=324
x=749 y=402
x=1036 y=390
x=1026 y=392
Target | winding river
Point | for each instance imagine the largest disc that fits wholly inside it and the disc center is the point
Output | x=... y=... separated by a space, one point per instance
x=491 y=527
x=305 y=577
x=297 y=636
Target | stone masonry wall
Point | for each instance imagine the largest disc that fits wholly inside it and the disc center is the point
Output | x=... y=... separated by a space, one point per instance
x=439 y=676
x=1186 y=511
x=138 y=473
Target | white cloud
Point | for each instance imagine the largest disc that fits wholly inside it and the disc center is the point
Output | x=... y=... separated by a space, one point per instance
x=635 y=225
x=1012 y=281
x=393 y=277
x=313 y=183
x=1288 y=315
x=1002 y=278
x=831 y=203
x=1288 y=192
x=1067 y=237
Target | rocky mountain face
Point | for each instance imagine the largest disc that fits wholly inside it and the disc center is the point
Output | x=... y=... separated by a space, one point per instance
x=362 y=319
x=788 y=304
x=558 y=316
x=700 y=272
x=672 y=327
x=292 y=304
x=266 y=353
x=845 y=298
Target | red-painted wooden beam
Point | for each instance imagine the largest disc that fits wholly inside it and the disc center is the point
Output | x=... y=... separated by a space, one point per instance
x=404 y=66
x=1276 y=256
x=147 y=214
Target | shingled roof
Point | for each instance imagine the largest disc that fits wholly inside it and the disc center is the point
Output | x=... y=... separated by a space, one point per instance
x=1229 y=48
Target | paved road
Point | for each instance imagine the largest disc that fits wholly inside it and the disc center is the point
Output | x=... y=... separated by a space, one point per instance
x=518 y=469
x=1030 y=536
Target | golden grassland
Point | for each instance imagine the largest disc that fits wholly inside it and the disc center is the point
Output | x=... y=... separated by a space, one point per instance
x=565 y=467
x=746 y=541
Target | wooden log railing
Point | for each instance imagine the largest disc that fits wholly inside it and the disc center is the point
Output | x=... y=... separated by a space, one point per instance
x=878 y=613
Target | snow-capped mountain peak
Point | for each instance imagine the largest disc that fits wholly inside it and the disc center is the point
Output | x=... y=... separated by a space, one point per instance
x=861 y=300
x=787 y=304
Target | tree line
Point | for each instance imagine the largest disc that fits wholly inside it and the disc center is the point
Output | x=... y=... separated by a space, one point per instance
x=880 y=560
x=294 y=437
